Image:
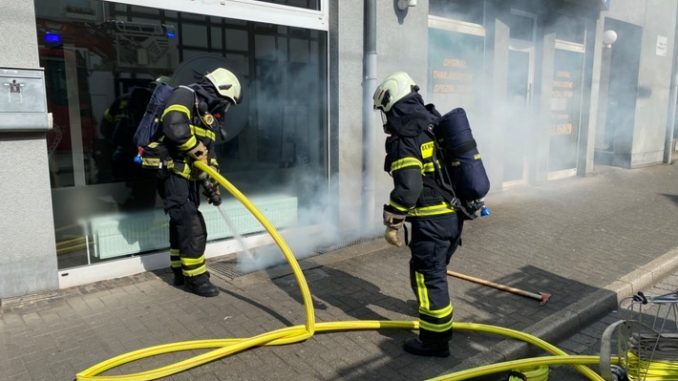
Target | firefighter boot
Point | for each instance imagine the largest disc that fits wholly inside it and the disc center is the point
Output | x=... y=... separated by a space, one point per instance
x=417 y=347
x=201 y=285
x=178 y=277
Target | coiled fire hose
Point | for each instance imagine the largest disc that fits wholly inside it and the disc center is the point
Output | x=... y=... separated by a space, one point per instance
x=298 y=333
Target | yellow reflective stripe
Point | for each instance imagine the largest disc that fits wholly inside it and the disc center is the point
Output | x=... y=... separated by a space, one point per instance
x=202 y=132
x=429 y=167
x=404 y=163
x=439 y=313
x=178 y=108
x=433 y=210
x=153 y=144
x=200 y=270
x=175 y=261
x=427 y=149
x=192 y=261
x=183 y=171
x=476 y=156
x=422 y=292
x=150 y=161
x=442 y=327
x=190 y=143
x=455 y=163
x=398 y=206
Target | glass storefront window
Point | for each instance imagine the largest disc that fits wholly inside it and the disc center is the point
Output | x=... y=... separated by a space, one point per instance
x=455 y=63
x=99 y=73
x=570 y=29
x=462 y=10
x=521 y=26
x=565 y=109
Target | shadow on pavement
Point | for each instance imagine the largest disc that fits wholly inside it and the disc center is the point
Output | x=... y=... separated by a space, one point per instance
x=672 y=197
x=356 y=297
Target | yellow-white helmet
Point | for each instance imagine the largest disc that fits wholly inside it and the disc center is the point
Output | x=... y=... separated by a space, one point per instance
x=394 y=88
x=226 y=83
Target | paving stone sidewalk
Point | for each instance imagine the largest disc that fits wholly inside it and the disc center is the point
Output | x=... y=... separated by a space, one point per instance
x=581 y=239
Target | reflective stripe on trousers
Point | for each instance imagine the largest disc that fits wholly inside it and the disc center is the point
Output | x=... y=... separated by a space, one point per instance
x=188 y=232
x=434 y=240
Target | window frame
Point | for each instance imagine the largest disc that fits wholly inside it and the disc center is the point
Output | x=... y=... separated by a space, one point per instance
x=248 y=10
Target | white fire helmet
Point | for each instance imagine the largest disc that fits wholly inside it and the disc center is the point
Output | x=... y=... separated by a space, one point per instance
x=394 y=88
x=226 y=83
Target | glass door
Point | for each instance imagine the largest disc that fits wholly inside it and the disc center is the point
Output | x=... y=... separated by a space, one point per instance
x=565 y=108
x=519 y=95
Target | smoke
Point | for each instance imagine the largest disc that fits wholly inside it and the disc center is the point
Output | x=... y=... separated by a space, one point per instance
x=317 y=230
x=524 y=90
x=287 y=141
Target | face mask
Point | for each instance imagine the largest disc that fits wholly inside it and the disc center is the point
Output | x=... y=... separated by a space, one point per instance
x=384 y=118
x=220 y=110
x=384 y=121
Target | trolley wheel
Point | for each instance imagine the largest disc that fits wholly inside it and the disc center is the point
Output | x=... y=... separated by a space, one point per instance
x=619 y=373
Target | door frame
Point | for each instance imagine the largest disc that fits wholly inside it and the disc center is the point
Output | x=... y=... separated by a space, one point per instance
x=529 y=48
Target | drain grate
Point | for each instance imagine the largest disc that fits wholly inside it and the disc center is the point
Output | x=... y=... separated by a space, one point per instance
x=228 y=269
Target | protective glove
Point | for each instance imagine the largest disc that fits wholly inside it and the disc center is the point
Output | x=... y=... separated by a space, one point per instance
x=394 y=222
x=392 y=236
x=199 y=152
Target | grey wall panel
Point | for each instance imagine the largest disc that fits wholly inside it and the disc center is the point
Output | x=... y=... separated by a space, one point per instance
x=654 y=82
x=346 y=57
x=402 y=45
x=28 y=253
x=18 y=43
x=631 y=11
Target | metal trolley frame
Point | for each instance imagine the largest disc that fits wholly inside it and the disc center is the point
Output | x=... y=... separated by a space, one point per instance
x=646 y=340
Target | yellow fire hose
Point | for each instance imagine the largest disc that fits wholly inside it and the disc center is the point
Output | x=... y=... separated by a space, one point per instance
x=298 y=333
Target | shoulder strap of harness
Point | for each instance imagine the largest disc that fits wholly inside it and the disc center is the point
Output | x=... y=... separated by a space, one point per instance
x=442 y=182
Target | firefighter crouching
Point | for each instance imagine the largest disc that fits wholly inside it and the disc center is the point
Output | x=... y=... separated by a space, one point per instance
x=189 y=125
x=416 y=198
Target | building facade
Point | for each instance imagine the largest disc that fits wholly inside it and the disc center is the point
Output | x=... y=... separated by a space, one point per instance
x=546 y=97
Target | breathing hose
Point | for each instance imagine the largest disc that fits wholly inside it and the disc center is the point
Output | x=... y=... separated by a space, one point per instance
x=287 y=335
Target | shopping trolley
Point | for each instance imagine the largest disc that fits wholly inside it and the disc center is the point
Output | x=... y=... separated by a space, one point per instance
x=646 y=340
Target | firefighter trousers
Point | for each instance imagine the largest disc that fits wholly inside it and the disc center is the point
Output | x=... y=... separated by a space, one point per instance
x=187 y=230
x=434 y=240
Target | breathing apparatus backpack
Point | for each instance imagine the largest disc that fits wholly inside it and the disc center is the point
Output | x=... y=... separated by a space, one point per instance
x=151 y=153
x=463 y=173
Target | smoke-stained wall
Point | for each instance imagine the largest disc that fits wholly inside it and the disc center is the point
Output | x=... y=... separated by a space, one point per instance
x=27 y=256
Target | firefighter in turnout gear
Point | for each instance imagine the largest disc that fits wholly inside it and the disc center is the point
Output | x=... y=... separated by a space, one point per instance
x=417 y=199
x=189 y=125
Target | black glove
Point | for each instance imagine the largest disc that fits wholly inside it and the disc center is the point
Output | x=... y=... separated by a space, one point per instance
x=470 y=209
x=211 y=191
